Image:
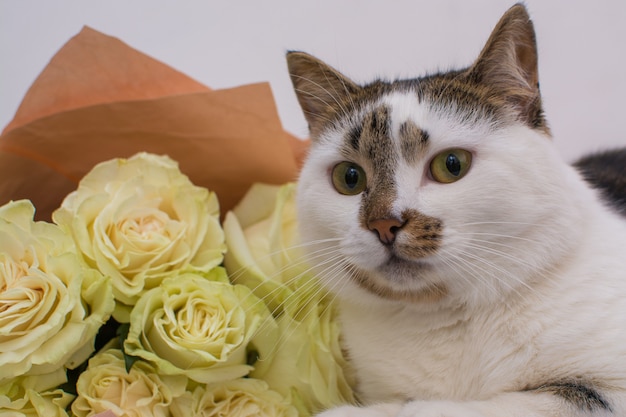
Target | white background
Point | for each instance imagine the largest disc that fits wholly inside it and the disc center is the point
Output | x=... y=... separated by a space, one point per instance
x=229 y=43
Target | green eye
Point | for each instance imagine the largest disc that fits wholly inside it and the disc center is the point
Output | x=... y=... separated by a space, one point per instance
x=450 y=165
x=348 y=178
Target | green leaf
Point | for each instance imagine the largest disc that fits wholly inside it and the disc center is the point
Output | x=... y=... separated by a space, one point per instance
x=122 y=333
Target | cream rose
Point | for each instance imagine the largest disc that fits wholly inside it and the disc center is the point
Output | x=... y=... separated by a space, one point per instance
x=35 y=396
x=261 y=233
x=243 y=397
x=307 y=364
x=202 y=328
x=139 y=219
x=142 y=392
x=51 y=303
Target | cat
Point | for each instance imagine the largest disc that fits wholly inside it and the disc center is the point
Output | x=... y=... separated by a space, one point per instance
x=477 y=274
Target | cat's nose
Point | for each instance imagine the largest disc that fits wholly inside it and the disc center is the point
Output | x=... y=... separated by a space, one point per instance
x=386 y=229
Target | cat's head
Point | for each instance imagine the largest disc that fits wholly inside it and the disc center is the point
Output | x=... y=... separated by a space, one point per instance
x=440 y=187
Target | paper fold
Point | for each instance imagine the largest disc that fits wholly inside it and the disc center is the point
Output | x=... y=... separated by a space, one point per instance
x=99 y=99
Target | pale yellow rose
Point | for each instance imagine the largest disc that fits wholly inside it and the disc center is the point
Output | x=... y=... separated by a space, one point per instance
x=243 y=397
x=261 y=234
x=35 y=396
x=106 y=385
x=137 y=220
x=205 y=329
x=307 y=364
x=51 y=303
x=308 y=361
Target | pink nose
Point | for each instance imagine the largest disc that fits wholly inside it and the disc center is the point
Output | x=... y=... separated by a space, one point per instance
x=386 y=229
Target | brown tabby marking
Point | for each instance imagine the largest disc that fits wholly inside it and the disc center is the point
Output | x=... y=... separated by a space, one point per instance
x=374 y=148
x=420 y=236
x=413 y=141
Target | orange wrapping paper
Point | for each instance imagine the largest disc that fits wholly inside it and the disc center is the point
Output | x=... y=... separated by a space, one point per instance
x=99 y=99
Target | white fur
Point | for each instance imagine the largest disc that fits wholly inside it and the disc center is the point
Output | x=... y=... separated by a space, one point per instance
x=534 y=263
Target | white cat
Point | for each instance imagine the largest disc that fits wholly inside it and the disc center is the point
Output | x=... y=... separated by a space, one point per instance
x=477 y=274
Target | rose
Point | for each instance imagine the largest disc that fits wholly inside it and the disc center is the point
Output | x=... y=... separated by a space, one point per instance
x=141 y=392
x=243 y=397
x=308 y=361
x=33 y=403
x=139 y=219
x=51 y=303
x=307 y=364
x=202 y=328
x=261 y=233
x=35 y=396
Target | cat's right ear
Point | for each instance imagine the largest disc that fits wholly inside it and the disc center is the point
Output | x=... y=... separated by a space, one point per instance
x=508 y=64
x=322 y=91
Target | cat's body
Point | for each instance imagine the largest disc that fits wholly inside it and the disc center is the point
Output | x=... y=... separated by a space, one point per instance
x=477 y=274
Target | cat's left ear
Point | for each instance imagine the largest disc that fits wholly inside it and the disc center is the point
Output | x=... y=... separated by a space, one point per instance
x=321 y=90
x=508 y=64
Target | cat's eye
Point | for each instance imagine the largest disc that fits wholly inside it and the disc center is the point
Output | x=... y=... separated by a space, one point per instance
x=348 y=178
x=450 y=165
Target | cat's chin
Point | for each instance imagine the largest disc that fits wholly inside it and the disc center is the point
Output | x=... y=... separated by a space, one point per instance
x=402 y=280
x=402 y=271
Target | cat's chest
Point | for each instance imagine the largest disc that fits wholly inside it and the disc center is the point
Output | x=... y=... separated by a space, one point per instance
x=405 y=357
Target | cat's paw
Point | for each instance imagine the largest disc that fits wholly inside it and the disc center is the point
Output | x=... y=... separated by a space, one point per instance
x=380 y=410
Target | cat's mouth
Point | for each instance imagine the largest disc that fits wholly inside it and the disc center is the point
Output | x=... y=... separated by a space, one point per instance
x=401 y=279
x=397 y=265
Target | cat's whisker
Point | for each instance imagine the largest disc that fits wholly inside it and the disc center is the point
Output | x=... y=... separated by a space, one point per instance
x=234 y=275
x=303 y=287
x=482 y=223
x=499 y=235
x=297 y=317
x=497 y=246
x=491 y=247
x=463 y=267
x=457 y=265
x=323 y=253
x=482 y=245
x=496 y=272
x=315 y=242
x=280 y=286
x=470 y=238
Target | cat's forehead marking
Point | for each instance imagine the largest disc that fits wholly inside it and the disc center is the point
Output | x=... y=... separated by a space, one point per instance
x=392 y=122
x=375 y=145
x=413 y=140
x=372 y=127
x=375 y=139
x=370 y=138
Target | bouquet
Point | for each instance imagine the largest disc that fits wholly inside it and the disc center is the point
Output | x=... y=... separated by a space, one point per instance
x=139 y=293
x=208 y=320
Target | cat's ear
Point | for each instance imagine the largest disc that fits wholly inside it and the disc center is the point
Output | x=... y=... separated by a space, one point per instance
x=508 y=64
x=321 y=89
